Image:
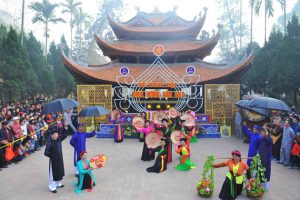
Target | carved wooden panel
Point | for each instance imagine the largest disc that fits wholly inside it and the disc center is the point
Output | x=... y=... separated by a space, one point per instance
x=219 y=102
x=89 y=95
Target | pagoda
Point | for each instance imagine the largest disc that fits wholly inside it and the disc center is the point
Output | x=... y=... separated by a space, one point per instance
x=134 y=43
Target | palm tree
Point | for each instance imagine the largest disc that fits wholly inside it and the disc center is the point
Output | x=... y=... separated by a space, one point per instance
x=228 y=10
x=70 y=7
x=82 y=19
x=241 y=23
x=251 y=3
x=22 y=23
x=44 y=13
x=283 y=6
x=268 y=11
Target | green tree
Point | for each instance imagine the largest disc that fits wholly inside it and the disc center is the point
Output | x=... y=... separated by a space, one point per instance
x=288 y=16
x=283 y=6
x=45 y=14
x=40 y=66
x=81 y=20
x=232 y=30
x=251 y=3
x=18 y=79
x=268 y=12
x=3 y=35
x=101 y=27
x=275 y=70
x=70 y=7
x=65 y=83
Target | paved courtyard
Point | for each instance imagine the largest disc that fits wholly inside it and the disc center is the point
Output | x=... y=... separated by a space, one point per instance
x=125 y=178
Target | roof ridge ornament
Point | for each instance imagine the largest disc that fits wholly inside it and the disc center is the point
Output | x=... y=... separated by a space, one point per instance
x=137 y=9
x=175 y=8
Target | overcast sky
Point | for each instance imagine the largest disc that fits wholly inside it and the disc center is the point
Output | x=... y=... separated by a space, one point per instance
x=187 y=9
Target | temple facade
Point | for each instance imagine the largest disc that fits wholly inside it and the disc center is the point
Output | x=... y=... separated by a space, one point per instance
x=154 y=57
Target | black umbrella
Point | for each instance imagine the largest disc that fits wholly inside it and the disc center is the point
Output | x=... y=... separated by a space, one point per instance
x=59 y=105
x=267 y=103
x=93 y=111
x=261 y=111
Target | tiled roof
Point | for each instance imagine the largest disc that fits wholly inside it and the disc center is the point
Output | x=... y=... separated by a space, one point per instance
x=189 y=30
x=155 y=19
x=197 y=48
x=107 y=73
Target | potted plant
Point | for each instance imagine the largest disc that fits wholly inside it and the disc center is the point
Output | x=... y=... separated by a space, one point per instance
x=205 y=186
x=255 y=187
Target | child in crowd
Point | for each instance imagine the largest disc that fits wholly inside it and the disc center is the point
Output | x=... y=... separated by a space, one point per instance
x=295 y=157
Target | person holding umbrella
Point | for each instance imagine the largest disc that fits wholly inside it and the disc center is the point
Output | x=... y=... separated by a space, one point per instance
x=78 y=142
x=53 y=151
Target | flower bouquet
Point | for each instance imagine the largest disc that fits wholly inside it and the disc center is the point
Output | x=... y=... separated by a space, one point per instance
x=129 y=130
x=205 y=186
x=255 y=186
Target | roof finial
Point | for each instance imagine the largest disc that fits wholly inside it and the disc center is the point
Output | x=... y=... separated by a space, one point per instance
x=137 y=8
x=205 y=10
x=175 y=8
x=156 y=9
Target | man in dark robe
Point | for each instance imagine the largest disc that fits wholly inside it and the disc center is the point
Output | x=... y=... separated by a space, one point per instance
x=276 y=135
x=265 y=152
x=78 y=142
x=53 y=150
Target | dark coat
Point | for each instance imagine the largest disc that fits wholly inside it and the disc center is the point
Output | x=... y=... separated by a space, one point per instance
x=53 y=150
x=265 y=152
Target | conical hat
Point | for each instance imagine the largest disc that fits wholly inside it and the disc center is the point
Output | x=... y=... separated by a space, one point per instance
x=173 y=112
x=158 y=116
x=176 y=136
x=138 y=122
x=98 y=161
x=152 y=140
x=189 y=119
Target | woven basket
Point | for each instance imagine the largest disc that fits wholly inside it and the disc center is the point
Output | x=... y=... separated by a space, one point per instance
x=252 y=195
x=205 y=195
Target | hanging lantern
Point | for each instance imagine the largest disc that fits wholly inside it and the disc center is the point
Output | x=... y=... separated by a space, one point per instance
x=168 y=106
x=158 y=106
x=149 y=106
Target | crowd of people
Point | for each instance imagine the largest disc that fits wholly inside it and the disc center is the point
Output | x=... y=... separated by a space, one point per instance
x=23 y=131
x=283 y=133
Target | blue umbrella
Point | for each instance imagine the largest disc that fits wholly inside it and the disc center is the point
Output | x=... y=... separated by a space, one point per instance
x=93 y=111
x=241 y=103
x=261 y=111
x=59 y=105
x=267 y=103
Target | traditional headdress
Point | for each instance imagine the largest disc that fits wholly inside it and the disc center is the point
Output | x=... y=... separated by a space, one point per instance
x=236 y=152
